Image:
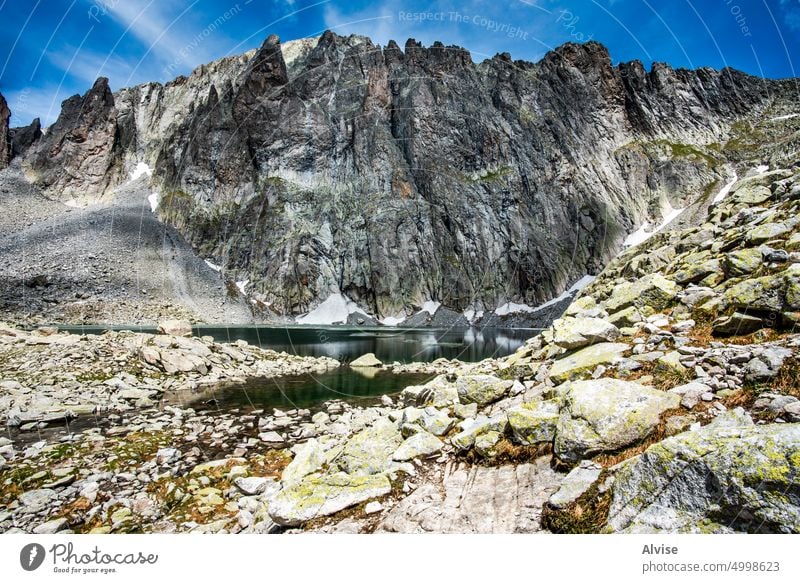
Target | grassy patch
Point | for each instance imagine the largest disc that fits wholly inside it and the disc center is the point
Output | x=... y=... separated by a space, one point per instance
x=587 y=515
x=787 y=380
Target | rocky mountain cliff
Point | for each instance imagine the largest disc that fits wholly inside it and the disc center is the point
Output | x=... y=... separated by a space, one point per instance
x=394 y=179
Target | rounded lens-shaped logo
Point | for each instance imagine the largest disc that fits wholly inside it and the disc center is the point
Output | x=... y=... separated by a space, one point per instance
x=31 y=556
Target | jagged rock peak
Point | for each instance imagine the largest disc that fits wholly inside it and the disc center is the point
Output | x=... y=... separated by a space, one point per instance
x=22 y=138
x=5 y=142
x=75 y=159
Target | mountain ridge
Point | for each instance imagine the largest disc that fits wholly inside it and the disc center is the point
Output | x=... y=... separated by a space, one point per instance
x=395 y=178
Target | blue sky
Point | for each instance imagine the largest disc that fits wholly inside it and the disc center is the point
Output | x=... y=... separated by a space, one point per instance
x=51 y=49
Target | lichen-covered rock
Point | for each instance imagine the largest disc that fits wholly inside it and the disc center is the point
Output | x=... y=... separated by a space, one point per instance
x=571 y=332
x=471 y=429
x=421 y=444
x=486 y=442
x=729 y=476
x=308 y=458
x=576 y=484
x=626 y=317
x=322 y=495
x=439 y=392
x=572 y=365
x=671 y=363
x=534 y=422
x=370 y=450
x=742 y=262
x=481 y=389
x=607 y=415
x=737 y=324
x=759 y=293
x=767 y=232
x=653 y=290
x=696 y=267
x=436 y=421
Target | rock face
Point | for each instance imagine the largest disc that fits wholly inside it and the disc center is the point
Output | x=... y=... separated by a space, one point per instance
x=24 y=137
x=5 y=138
x=79 y=157
x=400 y=177
x=506 y=499
x=730 y=476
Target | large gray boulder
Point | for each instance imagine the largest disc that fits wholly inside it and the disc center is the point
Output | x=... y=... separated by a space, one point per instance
x=481 y=389
x=729 y=476
x=586 y=359
x=571 y=333
x=322 y=495
x=607 y=415
x=370 y=450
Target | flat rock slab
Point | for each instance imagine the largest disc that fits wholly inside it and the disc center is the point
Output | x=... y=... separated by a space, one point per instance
x=477 y=499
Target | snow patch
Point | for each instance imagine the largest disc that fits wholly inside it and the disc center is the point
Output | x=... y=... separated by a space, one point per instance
x=431 y=307
x=333 y=310
x=141 y=169
x=153 y=199
x=242 y=285
x=646 y=231
x=512 y=308
x=213 y=266
x=392 y=321
x=725 y=190
x=762 y=169
x=581 y=283
x=72 y=203
x=472 y=314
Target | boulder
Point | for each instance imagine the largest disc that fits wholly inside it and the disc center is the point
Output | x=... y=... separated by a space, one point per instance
x=439 y=392
x=607 y=415
x=481 y=389
x=366 y=361
x=370 y=450
x=322 y=495
x=729 y=476
x=653 y=290
x=421 y=444
x=571 y=333
x=759 y=293
x=175 y=328
x=586 y=359
x=471 y=429
x=176 y=361
x=308 y=458
x=763 y=233
x=737 y=324
x=742 y=262
x=533 y=423
x=485 y=443
x=576 y=484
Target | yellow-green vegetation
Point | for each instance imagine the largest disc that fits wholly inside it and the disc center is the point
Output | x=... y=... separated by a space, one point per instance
x=787 y=380
x=507 y=452
x=136 y=448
